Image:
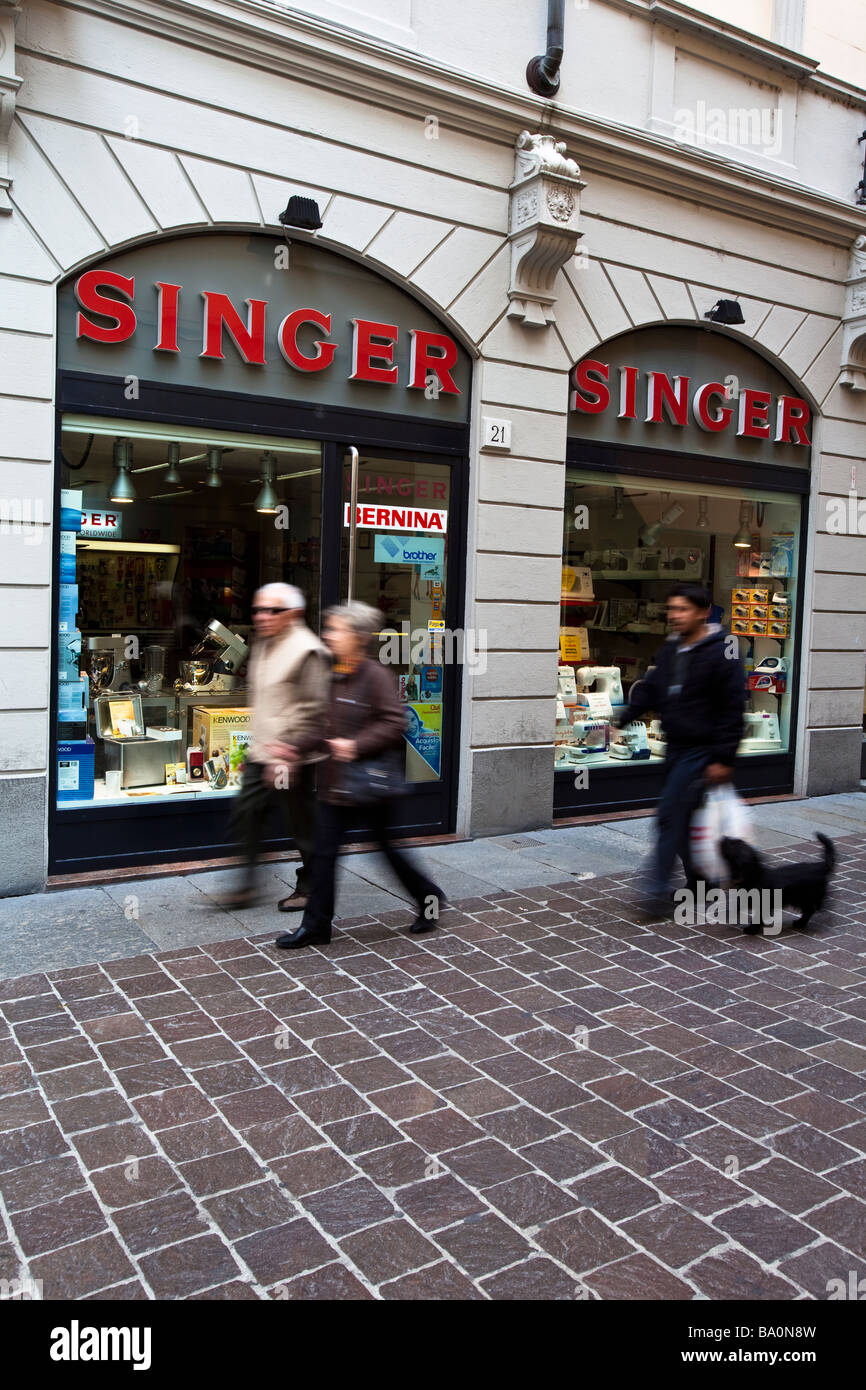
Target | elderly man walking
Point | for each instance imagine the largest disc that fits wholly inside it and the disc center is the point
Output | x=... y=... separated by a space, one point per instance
x=288 y=679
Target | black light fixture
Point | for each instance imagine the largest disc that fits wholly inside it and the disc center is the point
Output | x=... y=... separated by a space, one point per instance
x=542 y=73
x=214 y=466
x=267 y=501
x=725 y=311
x=122 y=489
x=302 y=213
x=861 y=187
x=172 y=475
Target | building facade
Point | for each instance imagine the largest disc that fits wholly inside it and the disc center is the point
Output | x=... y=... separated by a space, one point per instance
x=504 y=312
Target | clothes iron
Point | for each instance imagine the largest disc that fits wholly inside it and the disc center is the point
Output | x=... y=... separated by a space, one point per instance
x=770 y=676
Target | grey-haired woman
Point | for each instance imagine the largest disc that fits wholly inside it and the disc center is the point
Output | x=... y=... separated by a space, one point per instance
x=363 y=719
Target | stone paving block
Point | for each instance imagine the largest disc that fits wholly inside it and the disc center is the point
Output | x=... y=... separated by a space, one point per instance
x=163 y=1221
x=384 y=1079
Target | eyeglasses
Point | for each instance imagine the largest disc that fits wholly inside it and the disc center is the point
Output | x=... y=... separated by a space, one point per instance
x=272 y=611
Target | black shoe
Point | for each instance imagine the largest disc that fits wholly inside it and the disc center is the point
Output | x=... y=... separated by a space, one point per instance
x=423 y=923
x=304 y=936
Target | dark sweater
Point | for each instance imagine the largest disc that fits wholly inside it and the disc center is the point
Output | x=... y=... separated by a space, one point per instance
x=698 y=695
x=362 y=705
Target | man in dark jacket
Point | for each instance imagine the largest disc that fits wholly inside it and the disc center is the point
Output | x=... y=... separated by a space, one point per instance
x=697 y=689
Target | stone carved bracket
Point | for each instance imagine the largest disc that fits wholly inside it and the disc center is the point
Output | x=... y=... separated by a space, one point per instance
x=854 y=321
x=543 y=225
x=9 y=84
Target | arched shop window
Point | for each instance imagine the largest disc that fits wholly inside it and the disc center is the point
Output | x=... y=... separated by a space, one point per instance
x=688 y=459
x=210 y=389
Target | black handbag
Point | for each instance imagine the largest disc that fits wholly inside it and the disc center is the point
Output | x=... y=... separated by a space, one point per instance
x=366 y=781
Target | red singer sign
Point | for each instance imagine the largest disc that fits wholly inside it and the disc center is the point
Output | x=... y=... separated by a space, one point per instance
x=654 y=398
x=107 y=314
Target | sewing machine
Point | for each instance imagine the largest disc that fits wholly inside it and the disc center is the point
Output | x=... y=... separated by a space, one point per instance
x=631 y=742
x=607 y=695
x=658 y=744
x=762 y=732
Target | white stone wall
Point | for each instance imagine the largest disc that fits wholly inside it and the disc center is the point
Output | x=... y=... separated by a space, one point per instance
x=126 y=132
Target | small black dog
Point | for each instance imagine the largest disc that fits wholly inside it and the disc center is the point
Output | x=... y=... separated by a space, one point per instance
x=802 y=886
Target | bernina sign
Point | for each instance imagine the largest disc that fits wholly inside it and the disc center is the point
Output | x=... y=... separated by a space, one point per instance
x=655 y=397
x=221 y=313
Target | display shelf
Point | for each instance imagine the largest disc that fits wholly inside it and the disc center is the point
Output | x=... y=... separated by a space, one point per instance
x=103 y=797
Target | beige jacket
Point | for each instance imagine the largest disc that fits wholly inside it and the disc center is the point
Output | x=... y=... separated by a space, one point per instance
x=288 y=678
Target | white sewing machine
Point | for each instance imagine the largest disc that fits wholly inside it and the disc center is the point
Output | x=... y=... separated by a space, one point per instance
x=762 y=732
x=631 y=742
x=606 y=696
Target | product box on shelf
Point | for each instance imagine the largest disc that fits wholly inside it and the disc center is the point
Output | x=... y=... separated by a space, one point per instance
x=221 y=727
x=573 y=644
x=75 y=770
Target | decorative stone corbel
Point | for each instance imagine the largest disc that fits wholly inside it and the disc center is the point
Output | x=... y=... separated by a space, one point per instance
x=854 y=321
x=9 y=84
x=543 y=230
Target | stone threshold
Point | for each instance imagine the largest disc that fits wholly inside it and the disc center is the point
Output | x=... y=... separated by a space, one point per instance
x=95 y=878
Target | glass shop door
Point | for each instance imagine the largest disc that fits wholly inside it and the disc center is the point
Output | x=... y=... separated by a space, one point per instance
x=407 y=559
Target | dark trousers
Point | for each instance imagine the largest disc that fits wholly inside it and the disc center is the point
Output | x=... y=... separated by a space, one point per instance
x=333 y=824
x=297 y=804
x=684 y=768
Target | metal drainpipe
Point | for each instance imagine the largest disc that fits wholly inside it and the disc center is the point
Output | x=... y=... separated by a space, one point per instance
x=542 y=73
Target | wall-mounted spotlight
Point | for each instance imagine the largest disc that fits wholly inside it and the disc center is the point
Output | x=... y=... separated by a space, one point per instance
x=302 y=213
x=122 y=490
x=725 y=311
x=743 y=538
x=267 y=501
x=214 y=466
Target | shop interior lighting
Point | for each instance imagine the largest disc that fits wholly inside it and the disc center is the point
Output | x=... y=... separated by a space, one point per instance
x=725 y=311
x=188 y=435
x=305 y=473
x=648 y=535
x=743 y=538
x=214 y=467
x=138 y=547
x=122 y=489
x=267 y=500
x=172 y=476
x=703 y=522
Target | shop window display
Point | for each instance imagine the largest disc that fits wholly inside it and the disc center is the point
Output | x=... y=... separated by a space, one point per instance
x=627 y=541
x=166 y=532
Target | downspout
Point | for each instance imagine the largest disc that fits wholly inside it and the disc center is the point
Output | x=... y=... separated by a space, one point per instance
x=542 y=73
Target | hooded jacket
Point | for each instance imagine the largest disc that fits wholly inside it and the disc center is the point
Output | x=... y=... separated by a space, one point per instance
x=698 y=694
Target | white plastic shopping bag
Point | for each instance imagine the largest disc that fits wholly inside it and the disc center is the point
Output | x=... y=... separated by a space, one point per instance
x=721 y=813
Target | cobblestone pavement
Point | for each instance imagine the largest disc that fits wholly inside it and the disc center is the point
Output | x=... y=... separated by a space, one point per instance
x=545 y=1099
